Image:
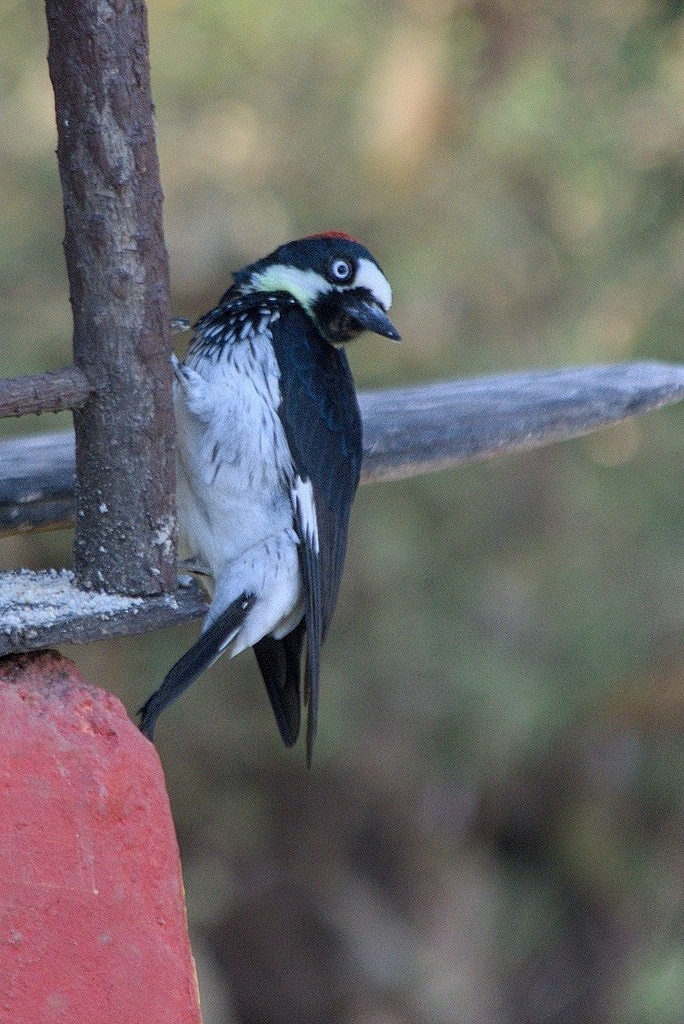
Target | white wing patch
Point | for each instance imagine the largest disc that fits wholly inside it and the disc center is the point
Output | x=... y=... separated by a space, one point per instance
x=305 y=509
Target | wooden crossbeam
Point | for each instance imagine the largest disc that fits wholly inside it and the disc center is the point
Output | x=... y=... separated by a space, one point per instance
x=407 y=431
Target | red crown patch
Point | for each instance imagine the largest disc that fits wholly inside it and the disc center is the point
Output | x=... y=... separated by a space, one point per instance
x=335 y=234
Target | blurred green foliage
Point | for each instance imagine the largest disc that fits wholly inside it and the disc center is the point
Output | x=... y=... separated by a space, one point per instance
x=492 y=830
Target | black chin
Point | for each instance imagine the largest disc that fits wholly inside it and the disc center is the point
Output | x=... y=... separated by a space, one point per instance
x=342 y=316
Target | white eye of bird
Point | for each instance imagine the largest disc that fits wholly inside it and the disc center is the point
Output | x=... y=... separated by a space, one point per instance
x=340 y=270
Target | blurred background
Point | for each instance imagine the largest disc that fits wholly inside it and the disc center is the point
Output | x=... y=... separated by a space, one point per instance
x=492 y=830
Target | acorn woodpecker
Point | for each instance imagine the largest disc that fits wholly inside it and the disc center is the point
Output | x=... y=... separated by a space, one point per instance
x=268 y=460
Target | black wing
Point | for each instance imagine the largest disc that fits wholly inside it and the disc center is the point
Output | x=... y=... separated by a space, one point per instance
x=320 y=416
x=280 y=665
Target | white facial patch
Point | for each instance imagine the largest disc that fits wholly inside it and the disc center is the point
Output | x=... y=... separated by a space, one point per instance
x=306 y=286
x=369 y=276
x=303 y=285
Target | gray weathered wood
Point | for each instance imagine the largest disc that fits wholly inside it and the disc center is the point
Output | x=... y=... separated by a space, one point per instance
x=37 y=482
x=46 y=609
x=407 y=431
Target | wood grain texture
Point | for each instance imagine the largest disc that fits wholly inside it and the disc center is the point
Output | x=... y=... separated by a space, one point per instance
x=47 y=609
x=43 y=392
x=407 y=431
x=416 y=430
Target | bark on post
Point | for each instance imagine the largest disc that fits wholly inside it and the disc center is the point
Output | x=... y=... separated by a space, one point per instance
x=43 y=392
x=118 y=275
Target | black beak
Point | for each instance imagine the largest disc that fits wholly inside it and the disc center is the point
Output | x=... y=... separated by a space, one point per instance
x=370 y=316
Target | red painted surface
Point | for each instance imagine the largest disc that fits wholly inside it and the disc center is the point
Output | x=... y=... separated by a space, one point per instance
x=92 y=911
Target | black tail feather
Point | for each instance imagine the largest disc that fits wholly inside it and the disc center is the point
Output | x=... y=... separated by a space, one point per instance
x=311 y=674
x=280 y=664
x=209 y=647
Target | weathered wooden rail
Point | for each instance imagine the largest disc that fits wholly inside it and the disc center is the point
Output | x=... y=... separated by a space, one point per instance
x=407 y=431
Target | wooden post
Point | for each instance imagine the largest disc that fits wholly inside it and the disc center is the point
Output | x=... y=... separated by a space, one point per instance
x=119 y=284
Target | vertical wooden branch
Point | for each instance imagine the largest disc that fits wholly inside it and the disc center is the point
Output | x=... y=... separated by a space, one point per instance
x=118 y=275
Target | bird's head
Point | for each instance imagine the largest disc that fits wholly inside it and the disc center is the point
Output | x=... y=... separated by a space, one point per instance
x=333 y=278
